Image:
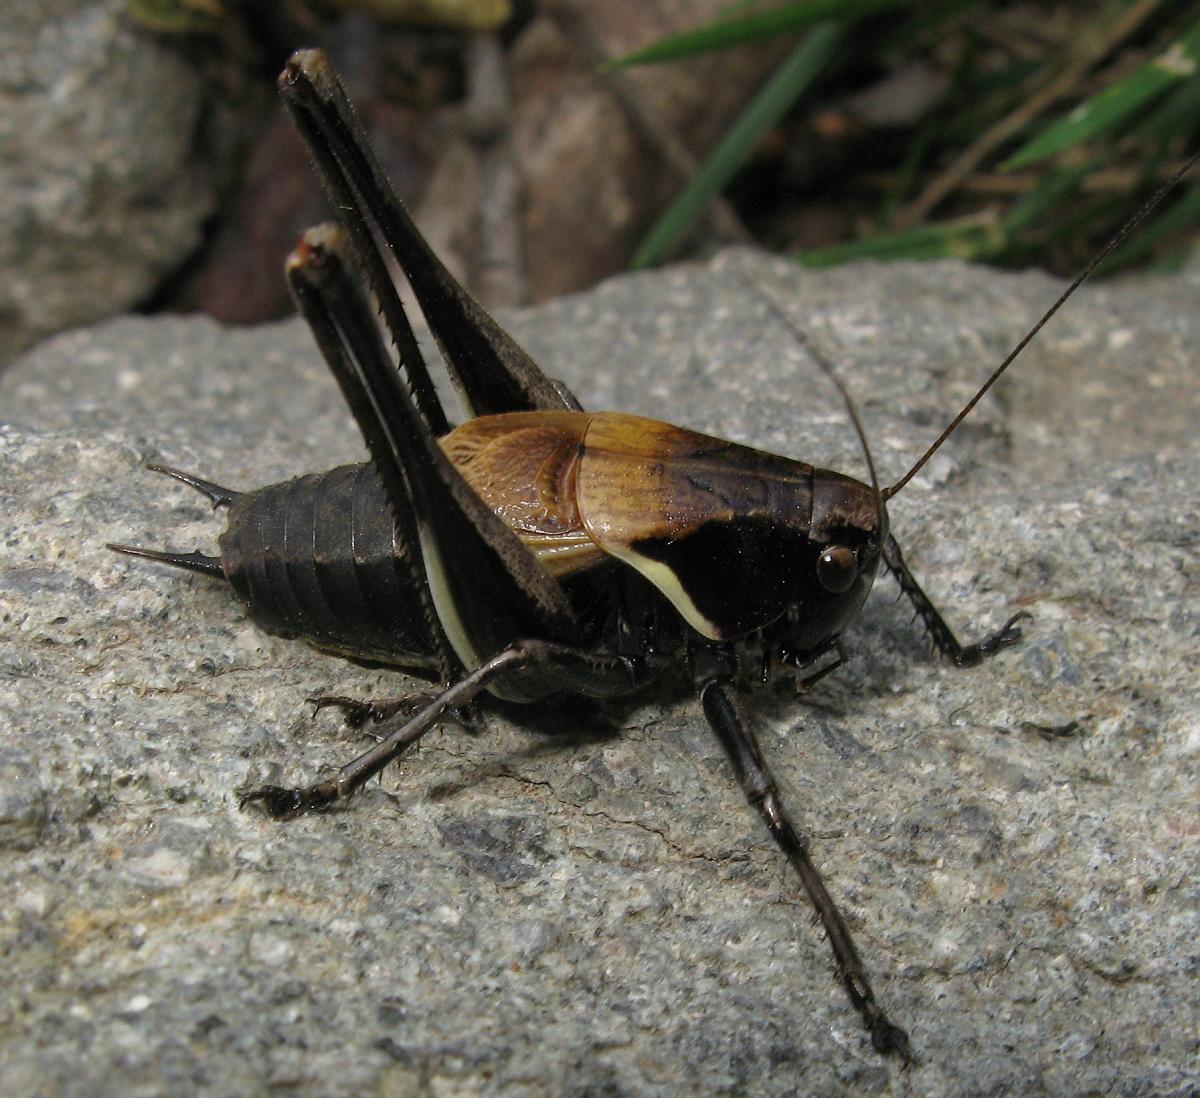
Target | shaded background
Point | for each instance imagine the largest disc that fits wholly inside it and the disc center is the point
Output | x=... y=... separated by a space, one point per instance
x=146 y=163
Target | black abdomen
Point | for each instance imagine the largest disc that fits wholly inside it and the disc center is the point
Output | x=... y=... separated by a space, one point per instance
x=317 y=557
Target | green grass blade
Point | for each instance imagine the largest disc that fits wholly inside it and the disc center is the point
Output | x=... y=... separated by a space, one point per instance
x=914 y=158
x=1177 y=115
x=178 y=16
x=1050 y=190
x=726 y=32
x=968 y=238
x=1111 y=107
x=797 y=73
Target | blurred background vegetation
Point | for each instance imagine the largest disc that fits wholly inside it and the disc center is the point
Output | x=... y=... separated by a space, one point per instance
x=1010 y=133
x=546 y=144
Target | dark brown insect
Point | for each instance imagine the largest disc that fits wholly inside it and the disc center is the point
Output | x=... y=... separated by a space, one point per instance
x=538 y=548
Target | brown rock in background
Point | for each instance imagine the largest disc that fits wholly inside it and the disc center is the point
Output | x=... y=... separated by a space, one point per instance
x=594 y=178
x=532 y=172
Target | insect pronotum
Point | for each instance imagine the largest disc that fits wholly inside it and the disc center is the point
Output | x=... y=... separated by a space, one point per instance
x=537 y=548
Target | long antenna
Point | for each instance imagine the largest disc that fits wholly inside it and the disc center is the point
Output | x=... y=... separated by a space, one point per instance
x=1103 y=254
x=827 y=368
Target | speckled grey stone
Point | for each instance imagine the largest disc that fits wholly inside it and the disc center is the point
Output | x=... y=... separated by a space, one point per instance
x=597 y=911
x=105 y=185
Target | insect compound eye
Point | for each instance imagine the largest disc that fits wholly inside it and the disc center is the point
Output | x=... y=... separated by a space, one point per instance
x=837 y=569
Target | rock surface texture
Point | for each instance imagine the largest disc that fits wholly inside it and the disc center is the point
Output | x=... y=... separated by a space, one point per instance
x=104 y=179
x=574 y=904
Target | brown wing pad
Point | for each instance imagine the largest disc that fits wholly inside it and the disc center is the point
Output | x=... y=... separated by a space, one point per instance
x=525 y=466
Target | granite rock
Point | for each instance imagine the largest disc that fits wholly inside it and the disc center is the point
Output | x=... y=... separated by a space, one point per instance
x=106 y=184
x=580 y=902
